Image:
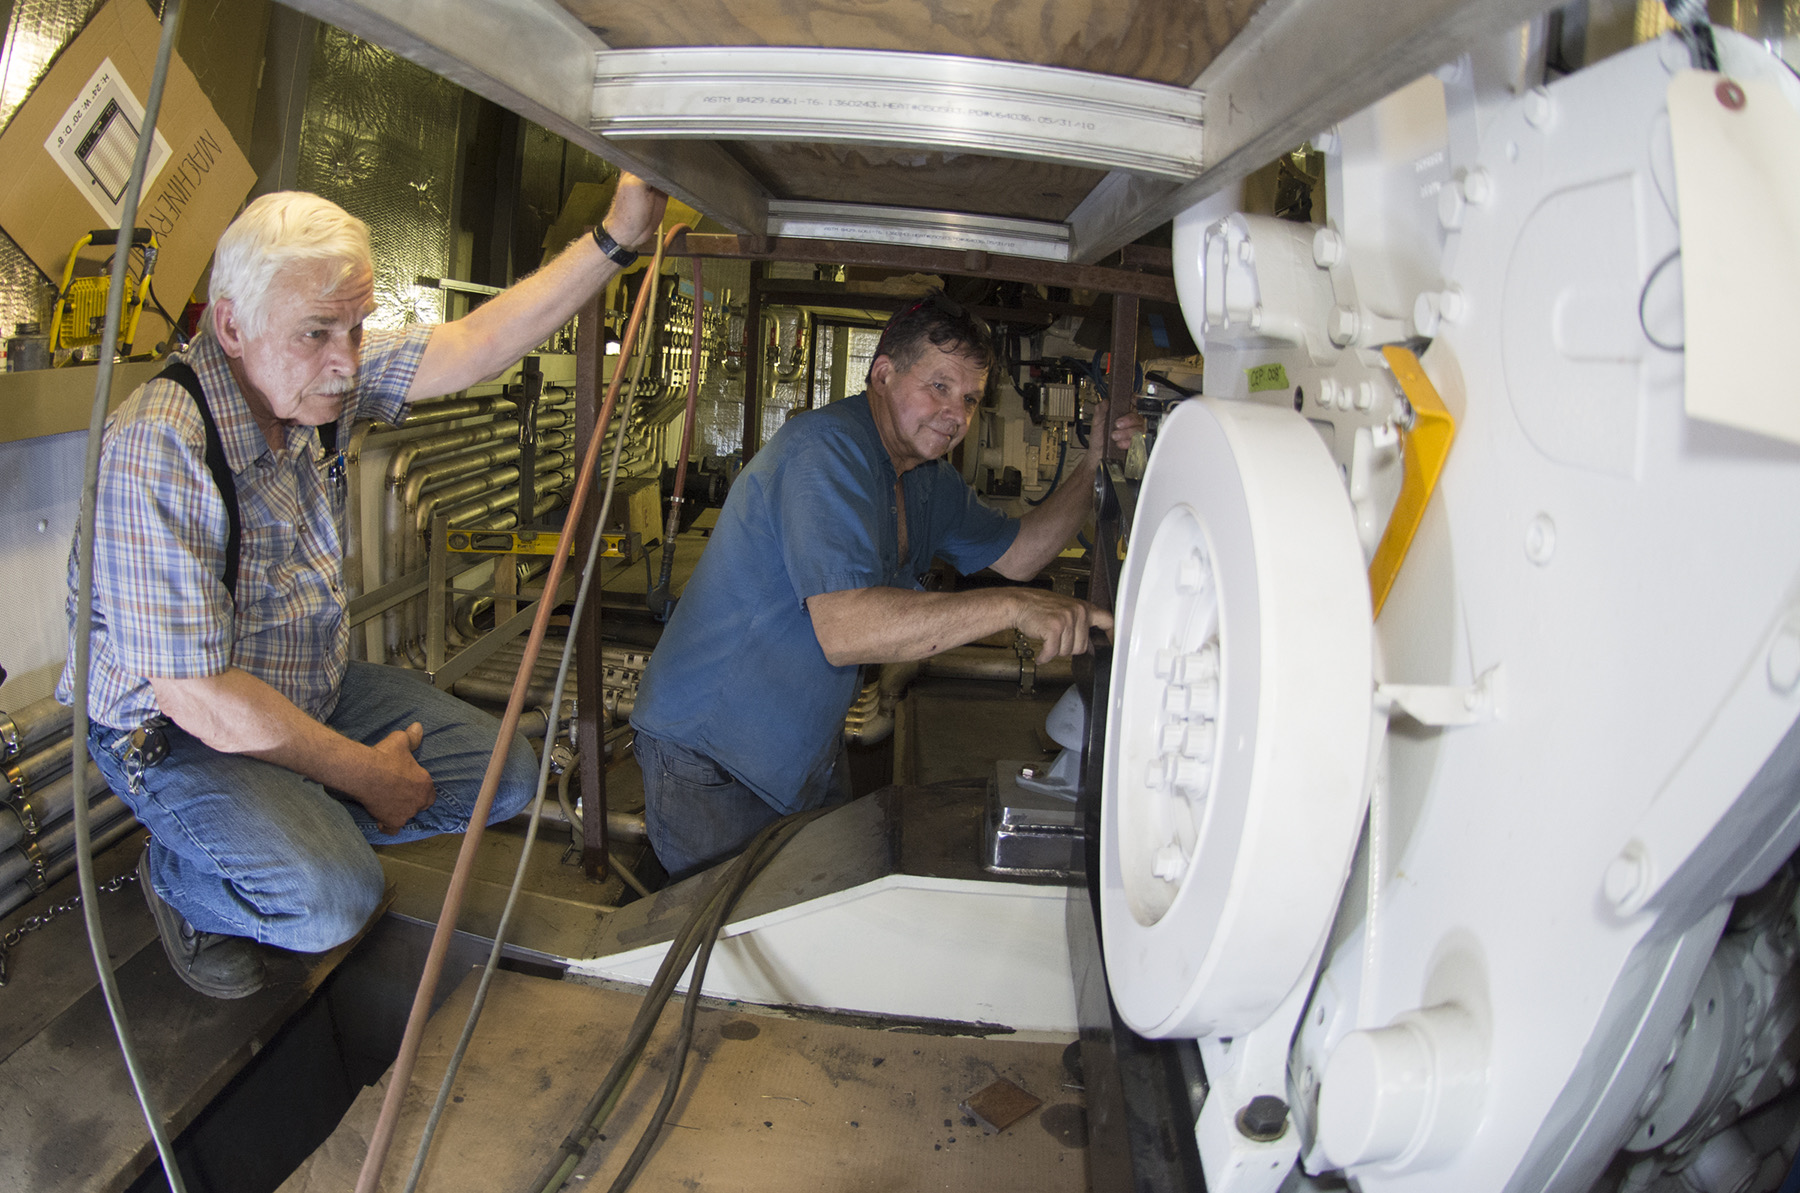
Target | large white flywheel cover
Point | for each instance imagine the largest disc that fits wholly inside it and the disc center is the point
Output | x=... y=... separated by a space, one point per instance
x=1238 y=735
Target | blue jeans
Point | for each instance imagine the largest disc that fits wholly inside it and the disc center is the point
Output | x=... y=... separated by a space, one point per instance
x=249 y=848
x=697 y=814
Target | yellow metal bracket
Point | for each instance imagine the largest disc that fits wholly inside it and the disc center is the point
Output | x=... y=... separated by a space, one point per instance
x=528 y=542
x=1423 y=450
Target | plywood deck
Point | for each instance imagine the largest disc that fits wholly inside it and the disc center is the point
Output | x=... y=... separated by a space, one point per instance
x=1166 y=41
x=770 y=1103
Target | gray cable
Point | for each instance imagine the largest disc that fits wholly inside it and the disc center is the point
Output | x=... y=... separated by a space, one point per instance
x=84 y=599
x=537 y=804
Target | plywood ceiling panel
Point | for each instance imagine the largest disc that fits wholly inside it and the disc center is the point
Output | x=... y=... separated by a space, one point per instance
x=909 y=177
x=1165 y=41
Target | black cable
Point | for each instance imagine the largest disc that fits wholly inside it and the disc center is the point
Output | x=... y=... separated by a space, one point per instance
x=1644 y=294
x=696 y=936
x=760 y=853
x=174 y=327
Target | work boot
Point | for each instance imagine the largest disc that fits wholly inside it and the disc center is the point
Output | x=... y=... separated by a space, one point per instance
x=215 y=965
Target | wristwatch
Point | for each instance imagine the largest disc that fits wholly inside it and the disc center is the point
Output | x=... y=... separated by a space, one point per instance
x=615 y=252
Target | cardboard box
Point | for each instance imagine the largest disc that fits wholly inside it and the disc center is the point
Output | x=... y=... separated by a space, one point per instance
x=77 y=125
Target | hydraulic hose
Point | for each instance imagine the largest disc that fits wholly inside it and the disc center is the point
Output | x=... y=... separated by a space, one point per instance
x=84 y=598
x=383 y=1136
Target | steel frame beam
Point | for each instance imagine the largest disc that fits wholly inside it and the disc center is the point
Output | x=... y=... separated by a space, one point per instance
x=956 y=230
x=1157 y=287
x=933 y=101
x=1296 y=69
x=533 y=58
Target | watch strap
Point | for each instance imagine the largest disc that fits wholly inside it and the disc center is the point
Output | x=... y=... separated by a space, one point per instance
x=615 y=252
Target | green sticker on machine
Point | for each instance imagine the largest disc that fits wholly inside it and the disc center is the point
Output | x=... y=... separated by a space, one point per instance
x=1266 y=377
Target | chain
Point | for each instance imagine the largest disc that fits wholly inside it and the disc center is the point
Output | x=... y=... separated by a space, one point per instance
x=46 y=917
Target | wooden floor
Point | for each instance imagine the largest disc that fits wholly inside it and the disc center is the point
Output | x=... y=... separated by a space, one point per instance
x=770 y=1103
x=71 y=1121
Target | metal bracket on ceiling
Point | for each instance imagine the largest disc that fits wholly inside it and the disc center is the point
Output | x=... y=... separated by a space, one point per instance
x=954 y=230
x=931 y=101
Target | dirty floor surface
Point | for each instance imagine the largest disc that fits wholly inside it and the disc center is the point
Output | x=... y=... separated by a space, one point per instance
x=770 y=1104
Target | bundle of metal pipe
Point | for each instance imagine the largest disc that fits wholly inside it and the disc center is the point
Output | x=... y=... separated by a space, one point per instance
x=37 y=812
x=420 y=464
x=33 y=866
x=30 y=727
x=37 y=805
x=434 y=448
x=33 y=771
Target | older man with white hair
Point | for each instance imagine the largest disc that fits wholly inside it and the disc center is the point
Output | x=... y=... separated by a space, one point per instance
x=225 y=709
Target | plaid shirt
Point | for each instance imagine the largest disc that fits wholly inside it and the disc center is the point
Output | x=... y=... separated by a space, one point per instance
x=160 y=605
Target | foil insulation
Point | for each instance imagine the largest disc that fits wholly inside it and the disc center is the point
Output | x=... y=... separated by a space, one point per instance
x=378 y=137
x=36 y=32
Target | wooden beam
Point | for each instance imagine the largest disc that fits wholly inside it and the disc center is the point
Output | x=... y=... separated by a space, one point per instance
x=988 y=265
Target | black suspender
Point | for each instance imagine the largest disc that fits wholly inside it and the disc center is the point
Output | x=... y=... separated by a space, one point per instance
x=184 y=376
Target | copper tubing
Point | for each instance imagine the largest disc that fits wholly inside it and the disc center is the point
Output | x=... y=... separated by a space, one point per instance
x=383 y=1136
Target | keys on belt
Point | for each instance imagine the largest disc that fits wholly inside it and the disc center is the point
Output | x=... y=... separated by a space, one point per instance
x=150 y=742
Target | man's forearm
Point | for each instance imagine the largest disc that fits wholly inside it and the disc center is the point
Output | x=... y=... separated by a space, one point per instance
x=491 y=337
x=894 y=625
x=236 y=713
x=1045 y=530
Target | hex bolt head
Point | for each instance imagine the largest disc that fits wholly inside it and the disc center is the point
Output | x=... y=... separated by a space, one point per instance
x=1170 y=863
x=1452 y=305
x=1540 y=109
x=1168 y=738
x=1263 y=1119
x=1426 y=315
x=1246 y=252
x=1343 y=326
x=1328 y=248
x=1201 y=665
x=1365 y=394
x=1192 y=577
x=1478 y=186
x=1451 y=206
x=1193 y=774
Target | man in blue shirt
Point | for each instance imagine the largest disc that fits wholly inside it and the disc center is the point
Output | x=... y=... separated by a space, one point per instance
x=814 y=569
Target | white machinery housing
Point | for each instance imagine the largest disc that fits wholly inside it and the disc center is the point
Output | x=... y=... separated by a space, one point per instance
x=1455 y=892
